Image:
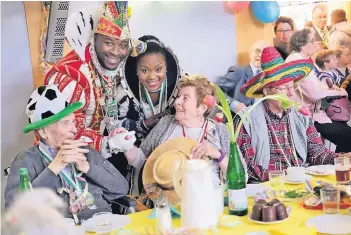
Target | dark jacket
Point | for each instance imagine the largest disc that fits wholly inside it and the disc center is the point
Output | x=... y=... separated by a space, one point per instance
x=105 y=183
x=233 y=80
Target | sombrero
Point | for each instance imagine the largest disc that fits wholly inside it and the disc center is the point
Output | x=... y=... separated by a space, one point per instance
x=162 y=163
x=275 y=72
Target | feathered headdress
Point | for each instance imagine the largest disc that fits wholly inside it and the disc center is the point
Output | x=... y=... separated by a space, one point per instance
x=110 y=20
x=114 y=22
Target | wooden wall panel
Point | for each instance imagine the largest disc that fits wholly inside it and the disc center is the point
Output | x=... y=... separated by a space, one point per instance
x=249 y=30
x=34 y=21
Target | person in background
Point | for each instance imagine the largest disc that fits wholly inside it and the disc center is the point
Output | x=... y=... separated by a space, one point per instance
x=284 y=27
x=340 y=34
x=231 y=82
x=85 y=180
x=327 y=62
x=319 y=46
x=310 y=91
x=308 y=24
x=145 y=94
x=319 y=20
x=274 y=138
x=344 y=56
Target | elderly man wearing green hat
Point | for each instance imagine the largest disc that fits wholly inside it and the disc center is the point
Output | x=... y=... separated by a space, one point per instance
x=274 y=138
x=78 y=173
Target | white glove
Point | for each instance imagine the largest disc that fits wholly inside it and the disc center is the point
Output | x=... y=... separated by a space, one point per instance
x=119 y=143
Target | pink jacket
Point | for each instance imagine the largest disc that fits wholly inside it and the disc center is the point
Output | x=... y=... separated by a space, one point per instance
x=311 y=90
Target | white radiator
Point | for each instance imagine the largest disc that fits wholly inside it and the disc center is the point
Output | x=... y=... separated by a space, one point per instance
x=56 y=30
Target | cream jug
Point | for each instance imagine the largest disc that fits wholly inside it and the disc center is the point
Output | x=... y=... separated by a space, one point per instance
x=193 y=184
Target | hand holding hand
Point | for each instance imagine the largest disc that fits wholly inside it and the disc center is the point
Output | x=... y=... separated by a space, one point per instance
x=121 y=140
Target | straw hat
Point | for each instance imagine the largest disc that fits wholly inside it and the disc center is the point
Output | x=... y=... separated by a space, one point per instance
x=161 y=165
x=275 y=72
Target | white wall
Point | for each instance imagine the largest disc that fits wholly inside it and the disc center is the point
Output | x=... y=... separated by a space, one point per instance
x=16 y=84
x=201 y=33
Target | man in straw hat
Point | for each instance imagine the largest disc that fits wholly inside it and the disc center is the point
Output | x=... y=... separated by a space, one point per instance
x=82 y=178
x=101 y=42
x=275 y=138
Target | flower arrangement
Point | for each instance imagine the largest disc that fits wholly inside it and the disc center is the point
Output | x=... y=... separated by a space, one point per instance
x=224 y=107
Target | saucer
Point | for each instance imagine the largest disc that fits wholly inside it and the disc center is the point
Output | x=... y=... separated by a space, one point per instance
x=287 y=180
x=321 y=170
x=331 y=224
x=105 y=222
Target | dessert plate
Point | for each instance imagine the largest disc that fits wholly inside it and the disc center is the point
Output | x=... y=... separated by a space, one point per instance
x=331 y=224
x=321 y=170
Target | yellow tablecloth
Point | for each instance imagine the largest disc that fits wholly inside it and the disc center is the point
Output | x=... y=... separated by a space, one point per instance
x=298 y=216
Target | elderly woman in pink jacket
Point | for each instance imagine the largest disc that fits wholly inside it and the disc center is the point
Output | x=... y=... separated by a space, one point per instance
x=311 y=90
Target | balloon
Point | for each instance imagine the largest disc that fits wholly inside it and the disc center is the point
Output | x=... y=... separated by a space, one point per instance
x=238 y=6
x=267 y=12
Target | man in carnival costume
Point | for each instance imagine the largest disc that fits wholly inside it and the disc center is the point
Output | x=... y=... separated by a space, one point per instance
x=87 y=182
x=89 y=73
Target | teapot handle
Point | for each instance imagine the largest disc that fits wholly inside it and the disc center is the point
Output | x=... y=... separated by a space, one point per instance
x=178 y=176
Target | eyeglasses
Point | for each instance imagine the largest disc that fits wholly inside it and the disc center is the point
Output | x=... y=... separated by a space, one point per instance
x=284 y=31
x=285 y=89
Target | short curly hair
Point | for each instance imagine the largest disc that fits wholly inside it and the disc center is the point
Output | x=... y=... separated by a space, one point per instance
x=284 y=19
x=202 y=86
x=299 y=39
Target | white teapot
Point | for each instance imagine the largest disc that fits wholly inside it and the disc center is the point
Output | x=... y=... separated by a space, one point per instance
x=196 y=191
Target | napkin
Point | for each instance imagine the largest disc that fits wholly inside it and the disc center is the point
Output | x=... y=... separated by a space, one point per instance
x=174 y=212
x=289 y=231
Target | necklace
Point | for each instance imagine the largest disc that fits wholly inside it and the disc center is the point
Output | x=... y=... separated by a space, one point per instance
x=285 y=136
x=202 y=133
x=106 y=99
x=162 y=101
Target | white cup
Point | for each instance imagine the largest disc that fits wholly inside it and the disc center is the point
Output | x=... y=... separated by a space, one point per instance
x=295 y=173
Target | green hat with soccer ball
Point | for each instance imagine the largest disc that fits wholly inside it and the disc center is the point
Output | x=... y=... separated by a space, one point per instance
x=47 y=105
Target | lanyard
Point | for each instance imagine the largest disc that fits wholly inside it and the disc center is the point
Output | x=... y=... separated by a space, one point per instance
x=285 y=136
x=160 y=101
x=75 y=183
x=202 y=134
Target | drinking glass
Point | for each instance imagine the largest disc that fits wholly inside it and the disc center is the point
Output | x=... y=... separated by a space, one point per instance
x=347 y=155
x=276 y=179
x=331 y=200
x=342 y=169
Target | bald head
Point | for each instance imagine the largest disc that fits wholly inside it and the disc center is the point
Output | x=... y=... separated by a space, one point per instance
x=320 y=15
x=255 y=52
